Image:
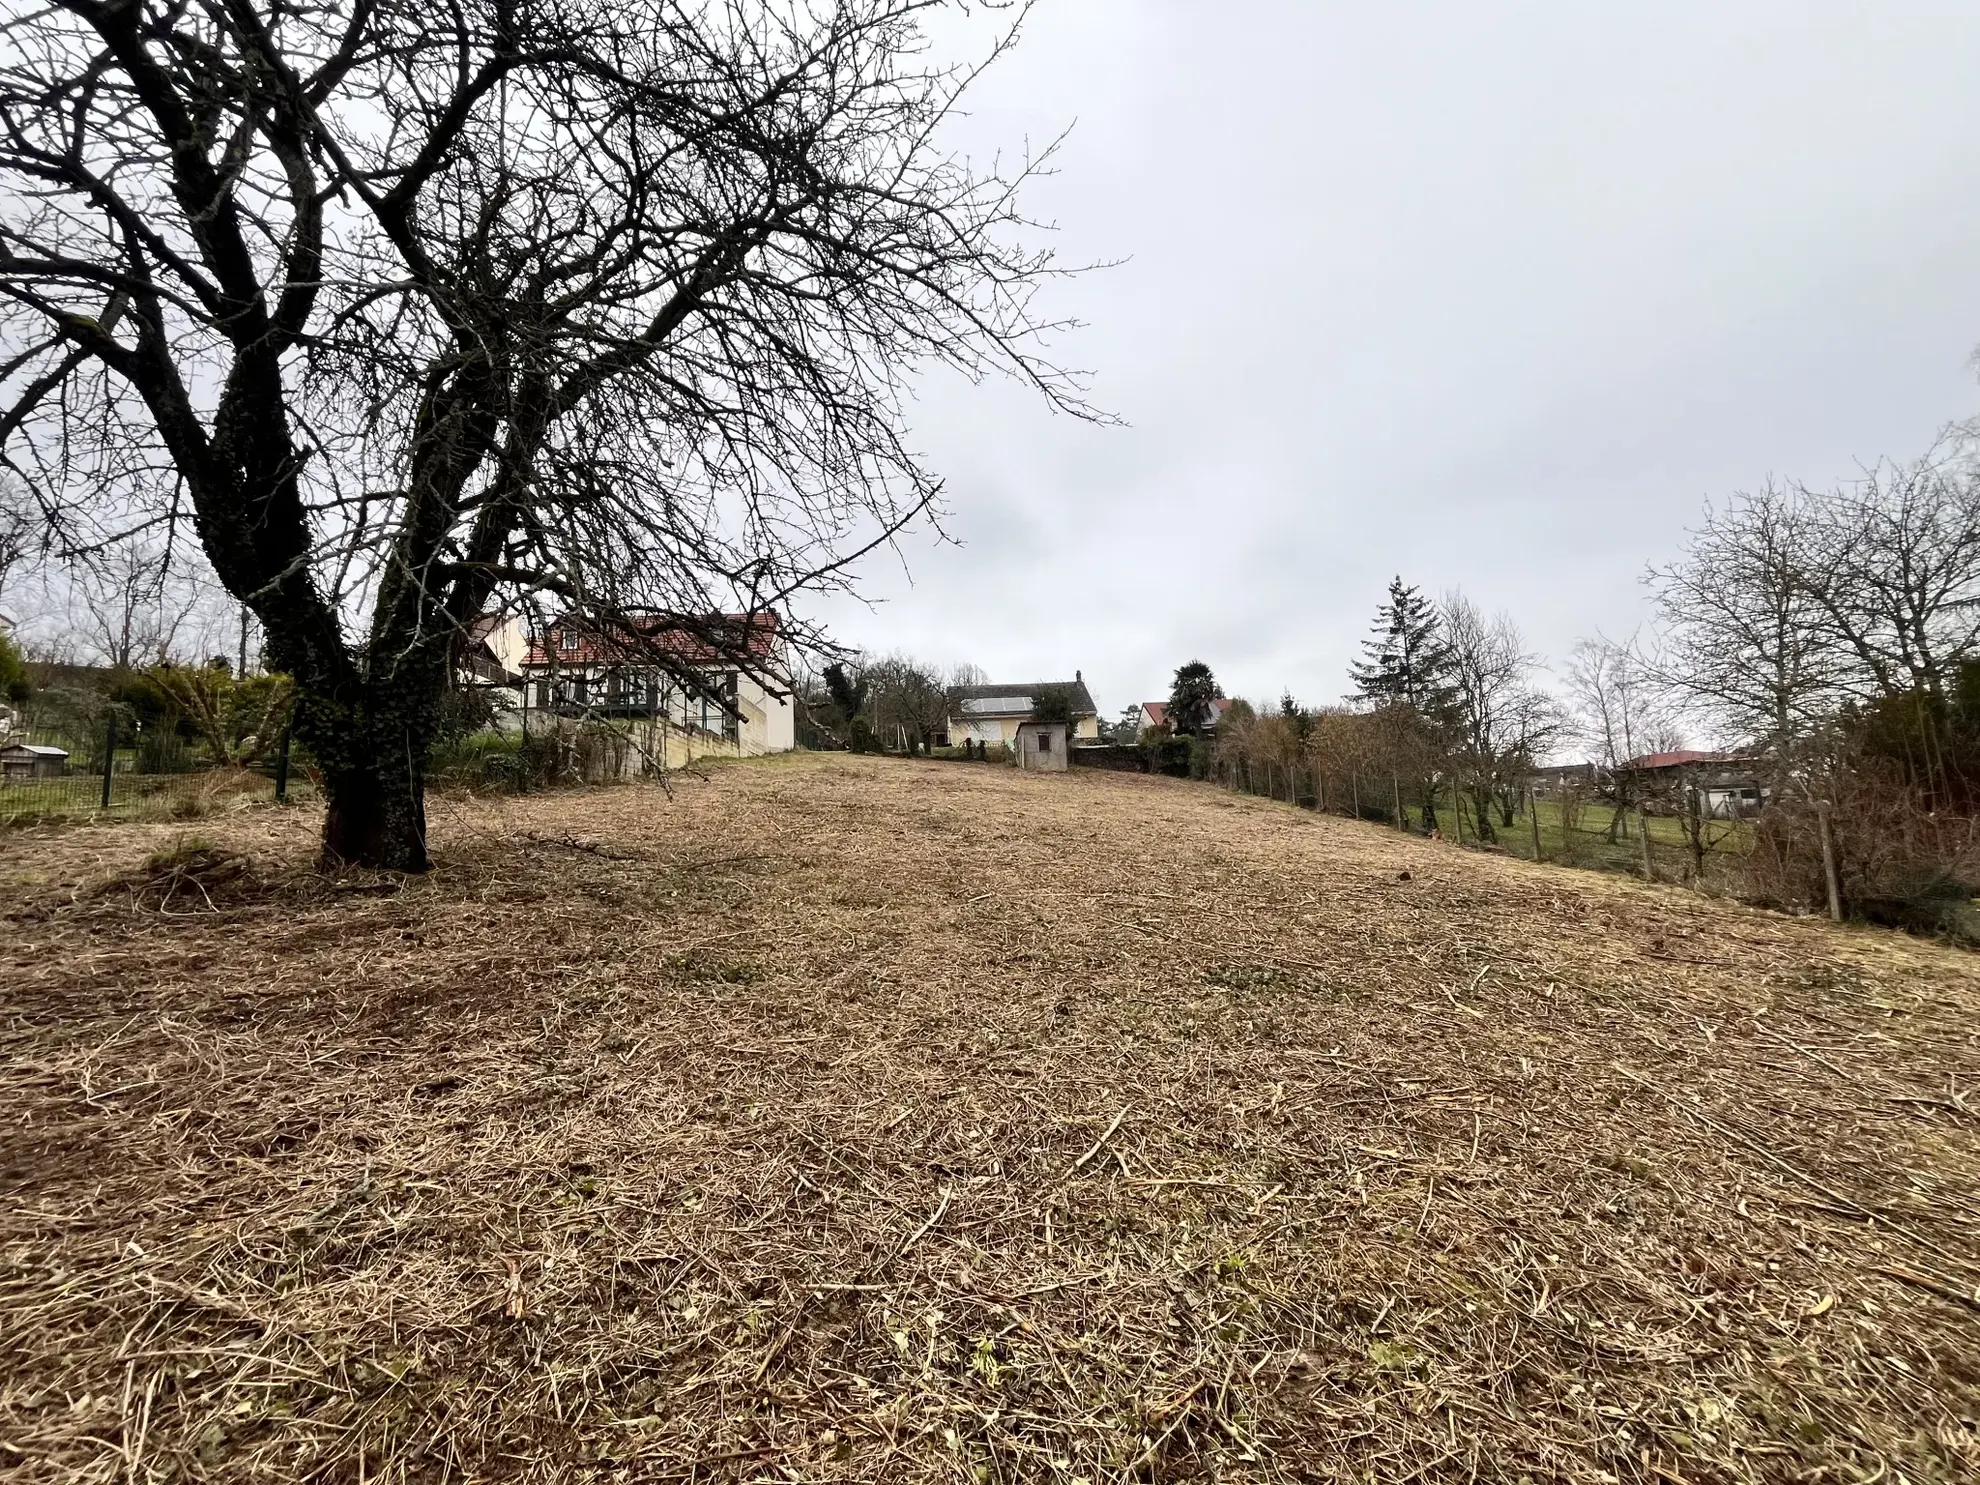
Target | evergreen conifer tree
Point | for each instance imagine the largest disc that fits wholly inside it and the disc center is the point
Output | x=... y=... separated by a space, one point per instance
x=1408 y=662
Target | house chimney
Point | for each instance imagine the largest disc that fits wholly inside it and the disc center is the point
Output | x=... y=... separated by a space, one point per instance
x=1078 y=679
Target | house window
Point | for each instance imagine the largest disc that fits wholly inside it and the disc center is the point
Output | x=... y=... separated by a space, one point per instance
x=1044 y=742
x=569 y=642
x=581 y=689
x=543 y=693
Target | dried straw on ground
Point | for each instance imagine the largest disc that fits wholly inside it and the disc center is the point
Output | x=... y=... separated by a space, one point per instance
x=840 y=1119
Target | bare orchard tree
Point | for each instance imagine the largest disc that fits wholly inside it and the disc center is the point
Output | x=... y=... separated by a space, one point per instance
x=416 y=310
x=909 y=702
x=133 y=605
x=1502 y=723
x=1893 y=564
x=963 y=674
x=1619 y=713
x=1744 y=642
x=17 y=531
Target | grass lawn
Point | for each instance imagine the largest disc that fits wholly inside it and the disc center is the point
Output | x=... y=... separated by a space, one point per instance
x=1588 y=844
x=153 y=796
x=852 y=1119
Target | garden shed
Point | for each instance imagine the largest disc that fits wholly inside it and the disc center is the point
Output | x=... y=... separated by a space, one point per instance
x=1042 y=746
x=33 y=761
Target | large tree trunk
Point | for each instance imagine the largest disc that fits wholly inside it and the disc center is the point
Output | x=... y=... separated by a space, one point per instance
x=376 y=818
x=373 y=760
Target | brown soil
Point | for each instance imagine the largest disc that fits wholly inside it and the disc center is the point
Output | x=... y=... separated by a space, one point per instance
x=846 y=1119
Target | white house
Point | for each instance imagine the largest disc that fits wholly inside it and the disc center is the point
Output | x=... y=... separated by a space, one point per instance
x=993 y=714
x=574 y=669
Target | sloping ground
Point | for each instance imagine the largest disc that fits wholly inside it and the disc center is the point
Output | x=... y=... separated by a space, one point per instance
x=837 y=1119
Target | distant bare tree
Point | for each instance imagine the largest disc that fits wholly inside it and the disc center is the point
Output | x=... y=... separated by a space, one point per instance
x=1892 y=562
x=1502 y=722
x=1746 y=644
x=908 y=700
x=1619 y=712
x=962 y=674
x=415 y=310
x=130 y=606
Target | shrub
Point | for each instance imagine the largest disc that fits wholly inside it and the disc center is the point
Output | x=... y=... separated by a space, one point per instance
x=1181 y=756
x=14 y=684
x=160 y=749
x=474 y=758
x=1898 y=861
x=238 y=720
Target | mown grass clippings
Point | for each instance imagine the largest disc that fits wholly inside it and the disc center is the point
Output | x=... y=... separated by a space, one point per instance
x=850 y=1119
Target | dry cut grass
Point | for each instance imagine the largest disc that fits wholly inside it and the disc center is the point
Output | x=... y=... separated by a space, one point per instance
x=843 y=1119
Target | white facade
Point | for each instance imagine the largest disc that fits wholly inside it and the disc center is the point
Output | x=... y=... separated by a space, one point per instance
x=769 y=723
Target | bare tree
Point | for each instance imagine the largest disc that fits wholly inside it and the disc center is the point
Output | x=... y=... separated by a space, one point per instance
x=963 y=674
x=1892 y=562
x=1502 y=722
x=132 y=605
x=17 y=531
x=1745 y=643
x=415 y=311
x=1619 y=712
x=909 y=702
x=1348 y=752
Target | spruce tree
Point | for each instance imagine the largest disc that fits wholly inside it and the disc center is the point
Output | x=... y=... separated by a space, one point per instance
x=1407 y=662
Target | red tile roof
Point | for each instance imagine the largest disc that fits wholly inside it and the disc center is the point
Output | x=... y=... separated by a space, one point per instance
x=686 y=640
x=1158 y=711
x=1651 y=761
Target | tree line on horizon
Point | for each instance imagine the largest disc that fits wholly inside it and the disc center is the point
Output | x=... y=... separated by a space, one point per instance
x=1827 y=636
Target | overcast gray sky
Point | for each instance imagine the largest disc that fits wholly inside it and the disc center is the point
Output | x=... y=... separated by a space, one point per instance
x=1491 y=296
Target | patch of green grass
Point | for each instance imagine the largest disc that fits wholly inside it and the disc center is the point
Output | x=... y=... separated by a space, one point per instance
x=1589 y=843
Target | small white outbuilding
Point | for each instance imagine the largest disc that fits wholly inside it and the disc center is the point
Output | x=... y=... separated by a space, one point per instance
x=1041 y=746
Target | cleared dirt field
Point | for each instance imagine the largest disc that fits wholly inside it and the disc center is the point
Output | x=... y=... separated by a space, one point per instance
x=839 y=1119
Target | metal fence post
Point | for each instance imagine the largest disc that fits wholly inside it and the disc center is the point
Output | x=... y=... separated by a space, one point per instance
x=1831 y=878
x=282 y=768
x=109 y=756
x=1643 y=833
x=1533 y=819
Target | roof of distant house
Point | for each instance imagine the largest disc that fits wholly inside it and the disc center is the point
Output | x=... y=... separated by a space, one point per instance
x=1018 y=698
x=711 y=640
x=1650 y=762
x=1158 y=711
x=38 y=750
